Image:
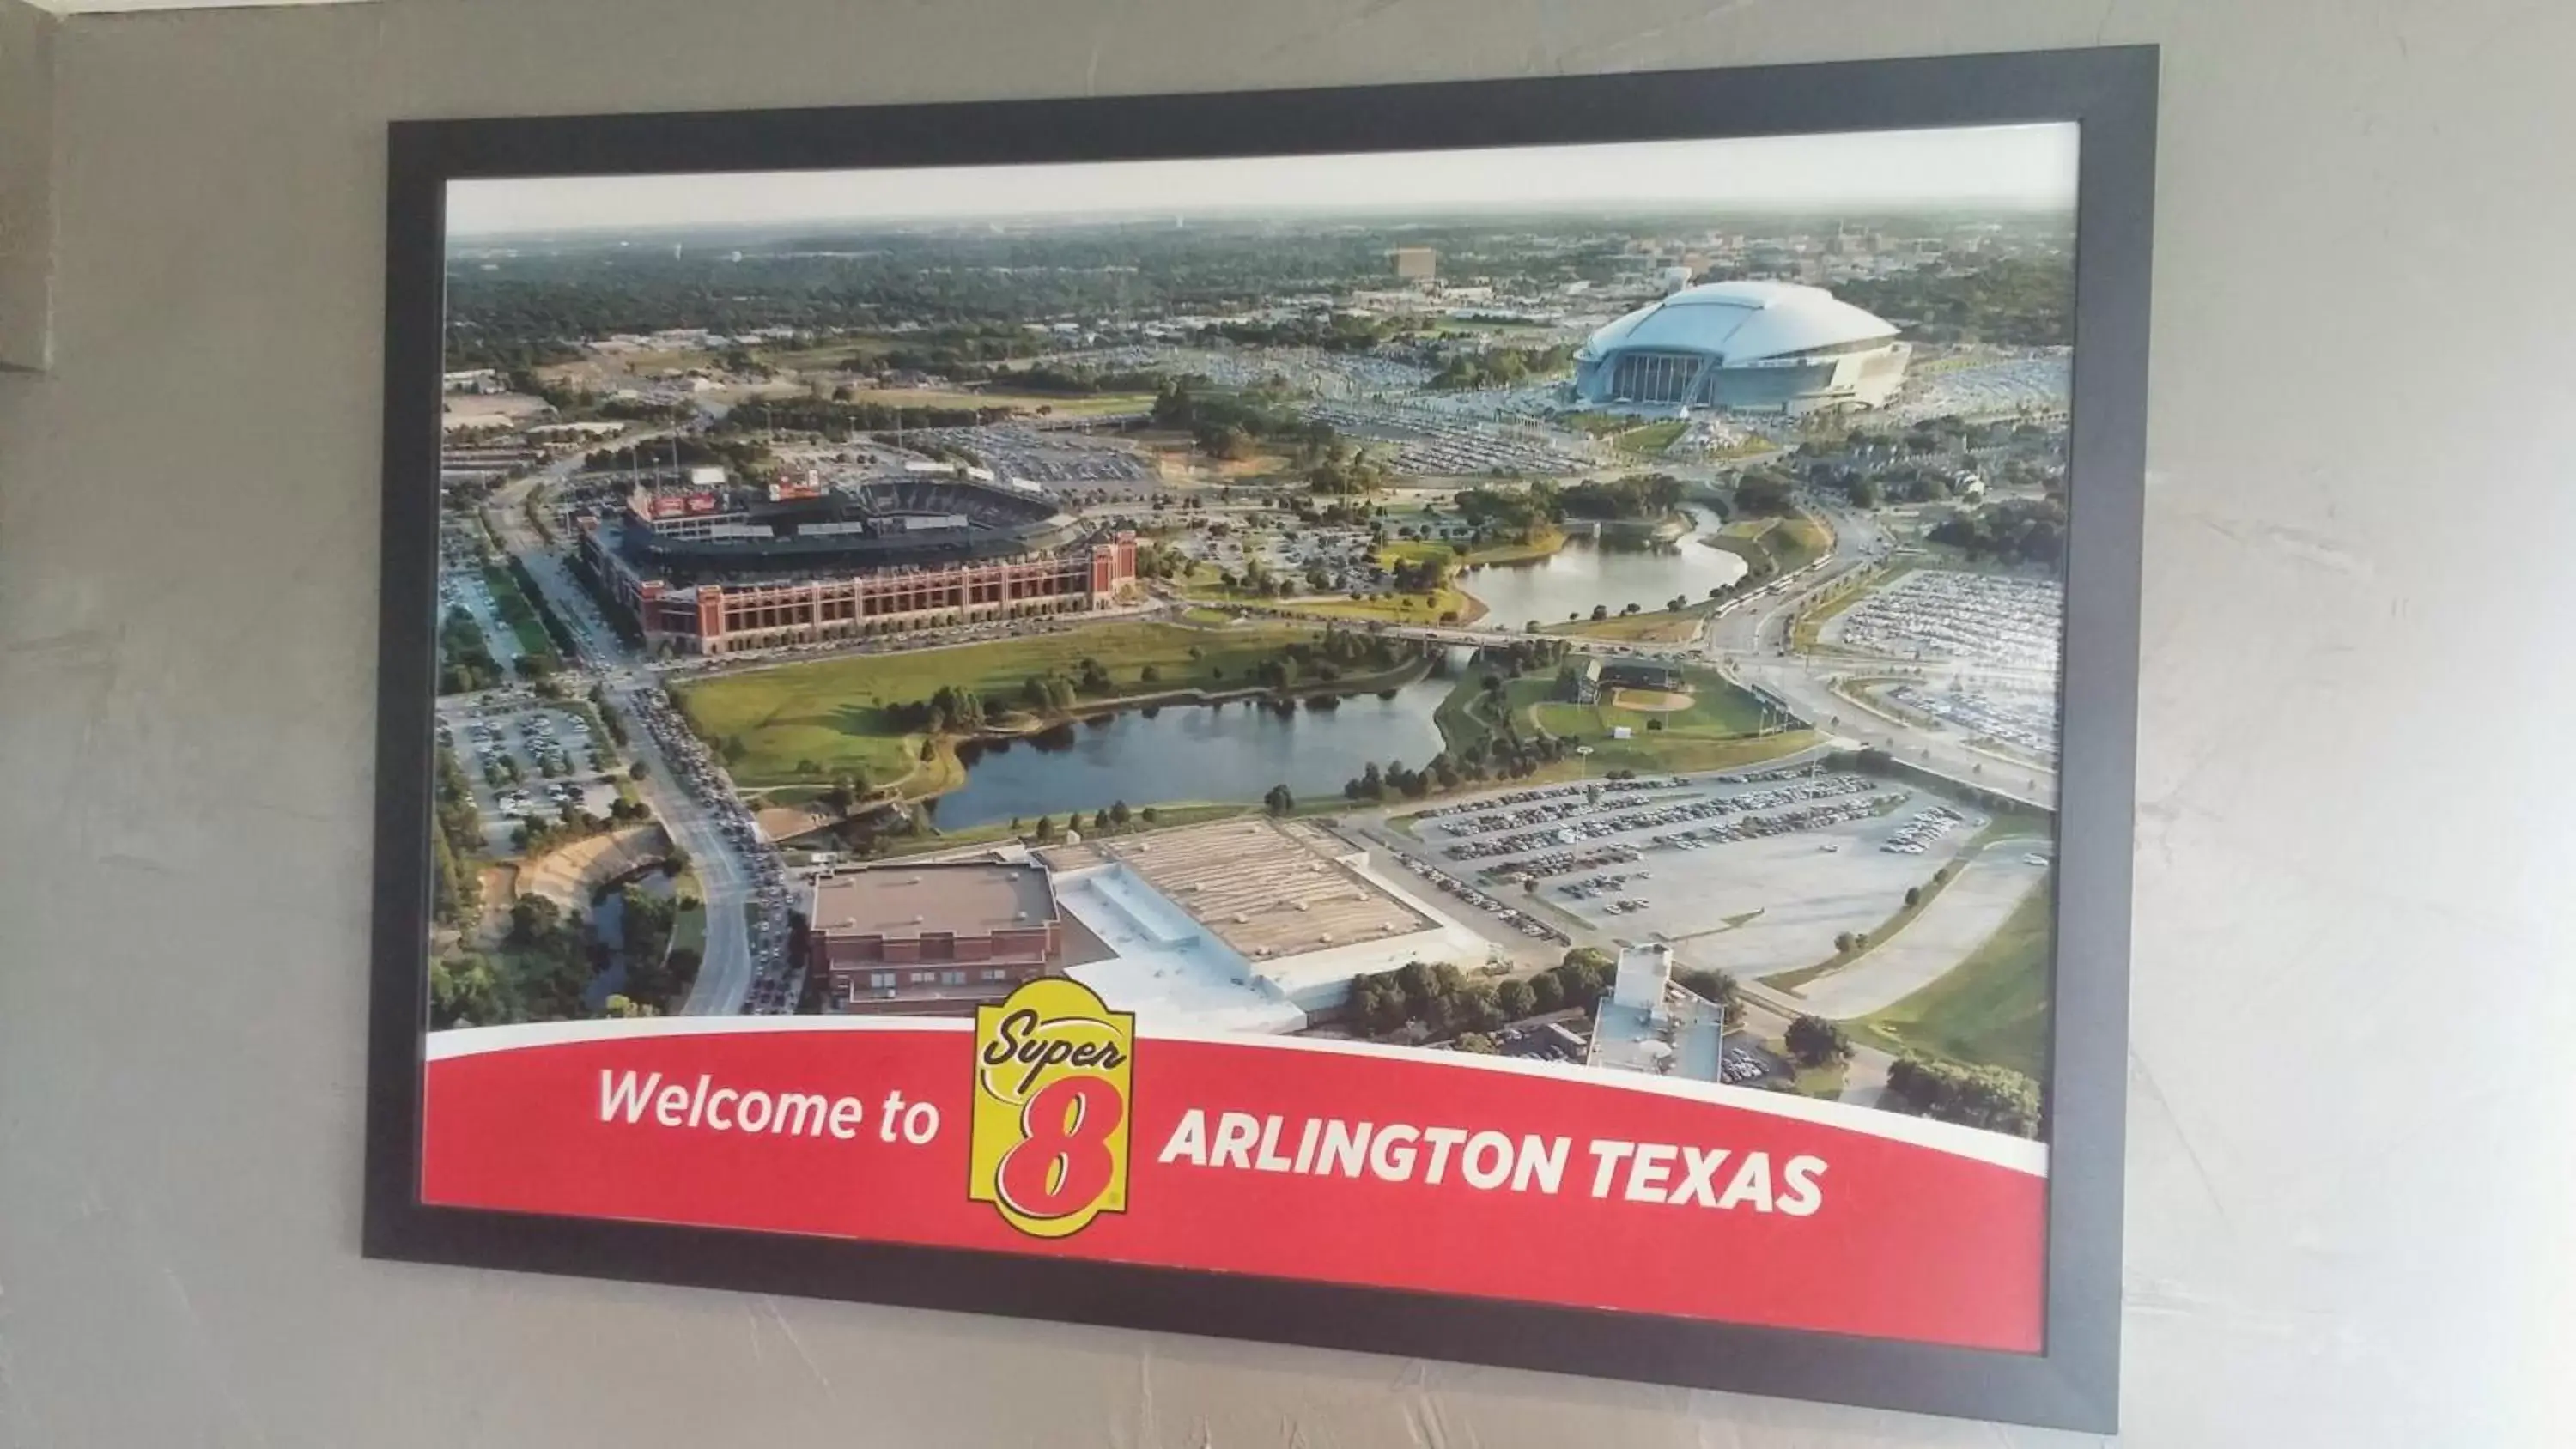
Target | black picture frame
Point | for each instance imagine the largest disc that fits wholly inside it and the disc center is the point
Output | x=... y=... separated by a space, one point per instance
x=2110 y=93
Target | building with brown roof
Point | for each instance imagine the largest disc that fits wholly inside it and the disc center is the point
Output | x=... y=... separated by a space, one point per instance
x=933 y=938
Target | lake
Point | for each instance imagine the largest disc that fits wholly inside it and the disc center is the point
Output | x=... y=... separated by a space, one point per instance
x=1234 y=751
x=1585 y=573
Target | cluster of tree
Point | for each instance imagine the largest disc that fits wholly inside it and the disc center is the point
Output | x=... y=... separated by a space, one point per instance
x=1160 y=561
x=1639 y=495
x=1228 y=424
x=547 y=963
x=556 y=630
x=536 y=836
x=1329 y=331
x=1813 y=1041
x=1116 y=817
x=658 y=975
x=2017 y=530
x=957 y=350
x=456 y=887
x=1765 y=493
x=836 y=418
x=1995 y=1098
x=1522 y=656
x=948 y=711
x=604 y=716
x=1439 y=1000
x=1440 y=772
x=1503 y=366
x=1516 y=512
x=1057 y=381
x=1048 y=694
x=735 y=455
x=1342 y=473
x=2014 y=302
x=1715 y=987
x=1418 y=575
x=465 y=656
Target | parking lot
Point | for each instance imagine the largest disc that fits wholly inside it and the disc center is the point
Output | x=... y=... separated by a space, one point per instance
x=2026 y=722
x=1751 y=873
x=1947 y=614
x=527 y=760
x=1055 y=461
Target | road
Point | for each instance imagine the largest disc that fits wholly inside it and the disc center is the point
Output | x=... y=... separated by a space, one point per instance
x=725 y=975
x=1750 y=644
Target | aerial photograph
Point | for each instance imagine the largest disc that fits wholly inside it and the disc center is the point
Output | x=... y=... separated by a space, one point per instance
x=1598 y=605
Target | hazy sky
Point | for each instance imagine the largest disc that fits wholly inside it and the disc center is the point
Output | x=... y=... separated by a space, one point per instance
x=2017 y=166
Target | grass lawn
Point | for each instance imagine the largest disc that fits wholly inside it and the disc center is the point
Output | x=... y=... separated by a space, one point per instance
x=1991 y=1010
x=516 y=612
x=1825 y=1081
x=831 y=713
x=1166 y=817
x=1715 y=733
x=1393 y=608
x=1662 y=626
x=1544 y=543
x=1652 y=439
x=1785 y=544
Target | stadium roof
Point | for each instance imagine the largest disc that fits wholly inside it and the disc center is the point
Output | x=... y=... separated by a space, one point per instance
x=1742 y=321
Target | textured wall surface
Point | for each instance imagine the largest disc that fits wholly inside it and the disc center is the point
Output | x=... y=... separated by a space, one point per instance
x=26 y=182
x=2350 y=1173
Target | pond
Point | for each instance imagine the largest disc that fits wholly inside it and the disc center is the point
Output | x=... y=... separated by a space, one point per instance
x=1585 y=573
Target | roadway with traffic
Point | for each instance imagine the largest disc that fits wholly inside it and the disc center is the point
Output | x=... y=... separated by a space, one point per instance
x=729 y=881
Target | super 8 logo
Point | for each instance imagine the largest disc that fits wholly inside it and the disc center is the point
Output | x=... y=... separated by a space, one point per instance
x=1054 y=1088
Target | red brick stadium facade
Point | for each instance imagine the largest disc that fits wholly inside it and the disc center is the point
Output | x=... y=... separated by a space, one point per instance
x=752 y=597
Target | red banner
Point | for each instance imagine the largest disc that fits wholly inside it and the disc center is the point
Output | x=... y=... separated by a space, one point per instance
x=1290 y=1158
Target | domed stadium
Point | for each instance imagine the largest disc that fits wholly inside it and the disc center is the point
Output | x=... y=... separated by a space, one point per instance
x=1744 y=347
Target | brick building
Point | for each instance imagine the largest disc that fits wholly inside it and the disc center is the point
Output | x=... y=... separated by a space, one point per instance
x=933 y=939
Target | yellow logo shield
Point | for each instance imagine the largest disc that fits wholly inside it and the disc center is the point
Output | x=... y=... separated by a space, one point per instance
x=1054 y=1084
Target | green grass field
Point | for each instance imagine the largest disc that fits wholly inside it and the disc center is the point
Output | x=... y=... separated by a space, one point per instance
x=1785 y=544
x=831 y=713
x=1661 y=626
x=1651 y=440
x=1991 y=1010
x=1714 y=733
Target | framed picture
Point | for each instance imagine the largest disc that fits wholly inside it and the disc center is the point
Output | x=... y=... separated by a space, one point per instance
x=1490 y=721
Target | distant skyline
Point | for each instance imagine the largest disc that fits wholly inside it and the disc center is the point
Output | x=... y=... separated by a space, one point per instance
x=2008 y=167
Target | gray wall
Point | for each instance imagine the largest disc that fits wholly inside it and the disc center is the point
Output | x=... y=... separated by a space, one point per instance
x=2351 y=1176
x=26 y=182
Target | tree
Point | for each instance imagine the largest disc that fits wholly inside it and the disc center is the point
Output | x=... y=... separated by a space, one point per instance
x=1814 y=1041
x=1843 y=943
x=1476 y=1043
x=1150 y=674
x=1516 y=999
x=1046 y=828
x=1278 y=801
x=1149 y=814
x=1118 y=813
x=1994 y=1098
x=1600 y=612
x=638 y=770
x=1547 y=993
x=1913 y=896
